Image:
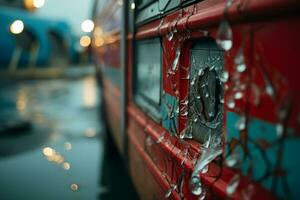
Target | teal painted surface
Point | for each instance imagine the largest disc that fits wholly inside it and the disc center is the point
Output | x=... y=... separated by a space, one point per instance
x=266 y=161
x=169 y=123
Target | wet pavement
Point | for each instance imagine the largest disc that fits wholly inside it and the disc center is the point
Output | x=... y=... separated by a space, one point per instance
x=57 y=150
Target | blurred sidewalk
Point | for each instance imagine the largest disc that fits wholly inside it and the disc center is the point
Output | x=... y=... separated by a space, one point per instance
x=61 y=154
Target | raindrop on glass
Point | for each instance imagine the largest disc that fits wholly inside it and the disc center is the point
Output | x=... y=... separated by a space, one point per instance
x=224 y=36
x=195 y=185
x=232 y=185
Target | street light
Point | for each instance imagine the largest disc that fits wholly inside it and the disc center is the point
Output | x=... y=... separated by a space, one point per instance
x=32 y=5
x=16 y=27
x=87 y=26
x=85 y=41
x=38 y=3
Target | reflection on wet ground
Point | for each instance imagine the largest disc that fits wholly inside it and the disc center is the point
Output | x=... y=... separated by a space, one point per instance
x=54 y=146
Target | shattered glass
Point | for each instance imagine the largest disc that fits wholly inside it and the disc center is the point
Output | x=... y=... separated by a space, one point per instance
x=205 y=109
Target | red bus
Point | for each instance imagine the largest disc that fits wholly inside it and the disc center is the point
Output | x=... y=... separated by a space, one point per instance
x=202 y=97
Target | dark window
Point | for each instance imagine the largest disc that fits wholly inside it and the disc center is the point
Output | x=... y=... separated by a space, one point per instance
x=147 y=81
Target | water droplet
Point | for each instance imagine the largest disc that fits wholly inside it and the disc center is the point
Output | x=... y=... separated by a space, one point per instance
x=169 y=192
x=222 y=100
x=74 y=187
x=204 y=170
x=279 y=130
x=230 y=103
x=184 y=114
x=241 y=67
x=224 y=36
x=193 y=82
x=195 y=120
x=198 y=97
x=270 y=90
x=184 y=102
x=160 y=139
x=241 y=123
x=232 y=160
x=175 y=62
x=239 y=61
x=228 y=3
x=200 y=72
x=238 y=95
x=170 y=35
x=195 y=185
x=283 y=110
x=224 y=77
x=207 y=155
x=232 y=185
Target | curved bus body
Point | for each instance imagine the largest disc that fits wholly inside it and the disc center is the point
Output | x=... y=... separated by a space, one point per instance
x=201 y=97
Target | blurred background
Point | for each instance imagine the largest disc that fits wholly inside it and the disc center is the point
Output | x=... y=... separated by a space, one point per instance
x=52 y=142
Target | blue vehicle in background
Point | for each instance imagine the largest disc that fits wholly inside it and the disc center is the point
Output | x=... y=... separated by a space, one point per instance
x=29 y=42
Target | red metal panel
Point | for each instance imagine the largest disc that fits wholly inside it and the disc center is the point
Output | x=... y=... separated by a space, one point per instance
x=270 y=47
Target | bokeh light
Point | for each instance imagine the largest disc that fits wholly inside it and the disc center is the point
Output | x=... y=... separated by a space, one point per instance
x=87 y=26
x=38 y=3
x=85 y=41
x=16 y=27
x=74 y=187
